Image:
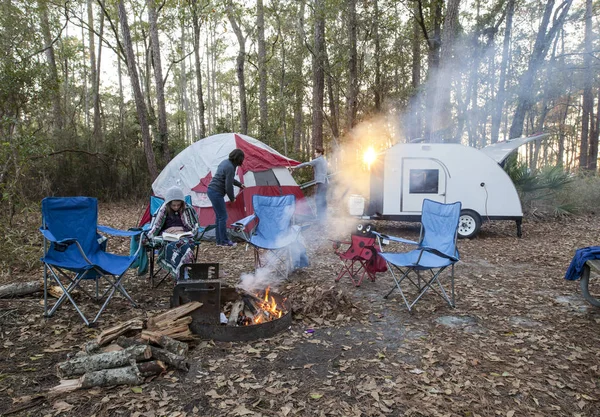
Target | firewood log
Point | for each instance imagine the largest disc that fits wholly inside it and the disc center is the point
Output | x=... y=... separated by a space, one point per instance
x=235 y=312
x=128 y=375
x=176 y=361
x=84 y=364
x=173 y=314
x=20 y=288
x=114 y=332
x=166 y=342
x=166 y=324
x=151 y=368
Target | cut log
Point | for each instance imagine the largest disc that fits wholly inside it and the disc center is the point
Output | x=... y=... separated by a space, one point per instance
x=91 y=348
x=235 y=312
x=114 y=332
x=20 y=288
x=166 y=342
x=129 y=375
x=185 y=336
x=55 y=291
x=84 y=364
x=151 y=368
x=171 y=359
x=173 y=314
x=165 y=324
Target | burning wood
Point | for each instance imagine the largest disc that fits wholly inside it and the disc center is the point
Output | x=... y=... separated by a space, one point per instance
x=256 y=308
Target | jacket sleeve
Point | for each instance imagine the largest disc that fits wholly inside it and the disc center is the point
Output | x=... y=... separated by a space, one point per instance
x=190 y=219
x=237 y=183
x=305 y=164
x=229 y=184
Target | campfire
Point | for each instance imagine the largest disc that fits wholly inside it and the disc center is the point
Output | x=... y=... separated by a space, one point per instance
x=253 y=308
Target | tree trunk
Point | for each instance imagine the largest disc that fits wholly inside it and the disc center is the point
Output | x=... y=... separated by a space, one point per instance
x=433 y=58
x=318 y=73
x=137 y=93
x=198 y=65
x=594 y=133
x=262 y=71
x=352 y=103
x=587 y=117
x=96 y=130
x=378 y=89
x=241 y=59
x=501 y=96
x=57 y=115
x=334 y=118
x=299 y=80
x=416 y=121
x=442 y=110
x=540 y=49
x=163 y=132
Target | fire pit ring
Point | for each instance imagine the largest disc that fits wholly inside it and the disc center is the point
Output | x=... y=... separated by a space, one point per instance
x=209 y=329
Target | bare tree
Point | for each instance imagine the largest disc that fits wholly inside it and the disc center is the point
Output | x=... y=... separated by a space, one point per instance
x=298 y=78
x=262 y=69
x=586 y=157
x=140 y=104
x=50 y=56
x=241 y=59
x=196 y=23
x=163 y=132
x=540 y=49
x=318 y=73
x=352 y=96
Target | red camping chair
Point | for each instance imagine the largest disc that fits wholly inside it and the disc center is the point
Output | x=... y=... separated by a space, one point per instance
x=360 y=259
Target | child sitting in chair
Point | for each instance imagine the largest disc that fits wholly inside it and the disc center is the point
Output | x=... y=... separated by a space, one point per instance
x=174 y=216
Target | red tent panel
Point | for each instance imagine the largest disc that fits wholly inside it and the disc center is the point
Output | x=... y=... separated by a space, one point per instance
x=257 y=159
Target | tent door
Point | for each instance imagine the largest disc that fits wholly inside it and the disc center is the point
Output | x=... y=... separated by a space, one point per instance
x=422 y=178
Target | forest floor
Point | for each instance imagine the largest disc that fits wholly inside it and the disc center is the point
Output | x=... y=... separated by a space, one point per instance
x=521 y=341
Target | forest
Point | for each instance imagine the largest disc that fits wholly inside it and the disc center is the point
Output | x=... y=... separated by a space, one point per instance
x=98 y=96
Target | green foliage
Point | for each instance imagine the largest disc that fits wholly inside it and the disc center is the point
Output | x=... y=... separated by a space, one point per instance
x=543 y=192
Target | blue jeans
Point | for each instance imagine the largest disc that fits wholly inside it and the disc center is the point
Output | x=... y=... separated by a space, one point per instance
x=218 y=203
x=321 y=201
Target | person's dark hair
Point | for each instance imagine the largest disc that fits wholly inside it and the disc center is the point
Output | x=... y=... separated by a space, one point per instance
x=320 y=150
x=237 y=157
x=170 y=211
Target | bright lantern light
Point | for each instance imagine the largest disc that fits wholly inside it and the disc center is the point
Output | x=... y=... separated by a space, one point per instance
x=370 y=156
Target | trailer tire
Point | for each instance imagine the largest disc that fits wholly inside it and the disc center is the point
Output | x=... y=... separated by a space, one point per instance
x=468 y=224
x=584 y=283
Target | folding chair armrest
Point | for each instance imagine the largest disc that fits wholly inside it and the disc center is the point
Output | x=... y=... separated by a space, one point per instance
x=438 y=253
x=118 y=232
x=243 y=223
x=49 y=236
x=395 y=239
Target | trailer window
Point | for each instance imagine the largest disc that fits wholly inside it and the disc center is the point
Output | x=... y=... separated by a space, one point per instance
x=424 y=181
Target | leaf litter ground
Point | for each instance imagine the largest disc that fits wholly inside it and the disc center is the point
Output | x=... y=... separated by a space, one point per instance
x=521 y=341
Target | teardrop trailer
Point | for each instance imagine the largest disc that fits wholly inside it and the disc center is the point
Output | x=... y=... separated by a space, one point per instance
x=407 y=173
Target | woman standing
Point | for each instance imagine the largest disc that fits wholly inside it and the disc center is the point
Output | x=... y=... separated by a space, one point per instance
x=222 y=184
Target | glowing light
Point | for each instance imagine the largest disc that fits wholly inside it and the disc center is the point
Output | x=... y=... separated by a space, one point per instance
x=369 y=156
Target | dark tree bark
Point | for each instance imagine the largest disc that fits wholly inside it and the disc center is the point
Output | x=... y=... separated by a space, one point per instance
x=378 y=88
x=540 y=49
x=501 y=96
x=318 y=74
x=352 y=103
x=262 y=70
x=586 y=159
x=57 y=113
x=240 y=61
x=140 y=104
x=416 y=121
x=334 y=118
x=163 y=132
x=201 y=109
x=93 y=72
x=298 y=79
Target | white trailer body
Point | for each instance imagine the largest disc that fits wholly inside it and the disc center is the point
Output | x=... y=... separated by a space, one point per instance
x=408 y=173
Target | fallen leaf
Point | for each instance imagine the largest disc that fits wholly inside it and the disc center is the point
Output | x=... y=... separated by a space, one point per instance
x=137 y=390
x=315 y=396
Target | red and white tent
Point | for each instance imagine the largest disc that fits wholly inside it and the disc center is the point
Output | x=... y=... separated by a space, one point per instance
x=264 y=172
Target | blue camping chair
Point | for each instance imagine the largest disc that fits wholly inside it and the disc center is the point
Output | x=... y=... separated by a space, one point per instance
x=74 y=251
x=156 y=245
x=276 y=241
x=436 y=251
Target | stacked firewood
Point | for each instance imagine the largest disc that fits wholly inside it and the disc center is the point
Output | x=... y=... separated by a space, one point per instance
x=127 y=353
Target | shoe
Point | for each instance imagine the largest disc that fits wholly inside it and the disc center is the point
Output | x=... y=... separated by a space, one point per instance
x=229 y=243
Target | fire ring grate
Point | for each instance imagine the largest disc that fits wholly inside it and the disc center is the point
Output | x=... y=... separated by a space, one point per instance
x=205 y=320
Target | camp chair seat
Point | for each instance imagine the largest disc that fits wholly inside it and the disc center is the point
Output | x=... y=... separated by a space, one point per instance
x=436 y=251
x=74 y=252
x=276 y=241
x=359 y=260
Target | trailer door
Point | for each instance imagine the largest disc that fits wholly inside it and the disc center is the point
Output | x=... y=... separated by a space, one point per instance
x=422 y=178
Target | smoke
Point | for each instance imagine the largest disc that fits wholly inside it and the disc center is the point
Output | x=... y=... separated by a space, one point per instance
x=260 y=279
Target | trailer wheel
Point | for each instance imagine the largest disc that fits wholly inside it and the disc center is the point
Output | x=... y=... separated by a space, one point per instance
x=468 y=224
x=590 y=294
